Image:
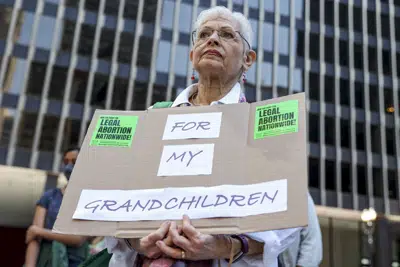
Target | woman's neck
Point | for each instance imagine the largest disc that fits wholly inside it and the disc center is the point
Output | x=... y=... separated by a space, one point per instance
x=208 y=92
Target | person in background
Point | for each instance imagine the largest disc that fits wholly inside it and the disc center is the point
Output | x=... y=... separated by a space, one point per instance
x=306 y=251
x=44 y=247
x=96 y=245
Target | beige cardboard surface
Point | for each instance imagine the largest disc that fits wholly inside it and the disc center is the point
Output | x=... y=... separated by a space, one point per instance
x=238 y=159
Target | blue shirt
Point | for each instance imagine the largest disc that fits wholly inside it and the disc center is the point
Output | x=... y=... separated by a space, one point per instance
x=306 y=250
x=51 y=201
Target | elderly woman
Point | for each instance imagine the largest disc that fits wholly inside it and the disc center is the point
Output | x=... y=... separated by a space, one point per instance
x=221 y=55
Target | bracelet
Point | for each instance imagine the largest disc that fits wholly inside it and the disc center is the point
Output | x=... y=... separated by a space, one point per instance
x=244 y=247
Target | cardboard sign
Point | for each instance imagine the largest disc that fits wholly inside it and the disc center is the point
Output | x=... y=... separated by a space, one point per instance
x=235 y=168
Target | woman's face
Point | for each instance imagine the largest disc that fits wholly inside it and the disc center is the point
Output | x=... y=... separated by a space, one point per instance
x=219 y=50
x=69 y=162
x=70 y=157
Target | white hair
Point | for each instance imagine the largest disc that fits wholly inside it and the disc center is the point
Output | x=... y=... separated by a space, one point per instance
x=220 y=11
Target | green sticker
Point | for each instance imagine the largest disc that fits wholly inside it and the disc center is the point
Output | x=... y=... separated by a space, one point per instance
x=114 y=131
x=276 y=119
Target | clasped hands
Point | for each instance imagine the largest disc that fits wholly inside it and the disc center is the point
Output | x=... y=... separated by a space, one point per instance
x=182 y=243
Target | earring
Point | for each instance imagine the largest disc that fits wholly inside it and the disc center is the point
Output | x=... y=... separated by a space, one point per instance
x=192 y=75
x=244 y=77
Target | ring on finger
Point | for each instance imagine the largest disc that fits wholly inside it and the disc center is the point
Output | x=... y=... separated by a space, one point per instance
x=183 y=255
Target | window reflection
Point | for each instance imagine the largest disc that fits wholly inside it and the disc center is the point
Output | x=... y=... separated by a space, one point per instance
x=269 y=5
x=299 y=8
x=297 y=81
x=284 y=7
x=268 y=37
x=283 y=46
x=167 y=17
x=282 y=76
x=266 y=78
x=254 y=26
x=15 y=75
x=45 y=32
x=251 y=74
x=26 y=29
x=163 y=56
x=185 y=17
x=181 y=60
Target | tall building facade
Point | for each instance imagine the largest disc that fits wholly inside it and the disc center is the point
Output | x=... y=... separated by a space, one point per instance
x=62 y=59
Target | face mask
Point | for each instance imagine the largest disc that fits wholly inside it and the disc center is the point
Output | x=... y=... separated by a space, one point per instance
x=68 y=170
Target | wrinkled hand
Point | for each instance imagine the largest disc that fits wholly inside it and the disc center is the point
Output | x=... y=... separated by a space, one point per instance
x=31 y=233
x=195 y=245
x=147 y=245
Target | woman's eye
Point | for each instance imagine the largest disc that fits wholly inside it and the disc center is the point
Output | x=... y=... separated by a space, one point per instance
x=227 y=35
x=204 y=34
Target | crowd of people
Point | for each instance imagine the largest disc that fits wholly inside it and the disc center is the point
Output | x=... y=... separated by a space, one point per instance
x=221 y=55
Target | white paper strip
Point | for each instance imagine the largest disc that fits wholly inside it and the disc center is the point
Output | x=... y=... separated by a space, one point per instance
x=195 y=125
x=179 y=160
x=173 y=203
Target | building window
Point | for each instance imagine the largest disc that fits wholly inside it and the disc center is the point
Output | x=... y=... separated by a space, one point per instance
x=359 y=95
x=343 y=16
x=360 y=136
x=313 y=128
x=330 y=131
x=344 y=133
x=330 y=89
x=314 y=88
x=393 y=185
x=361 y=180
x=313 y=172
x=346 y=177
x=375 y=139
x=377 y=179
x=330 y=175
x=344 y=92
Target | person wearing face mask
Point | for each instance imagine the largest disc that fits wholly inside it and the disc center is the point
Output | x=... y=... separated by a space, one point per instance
x=44 y=247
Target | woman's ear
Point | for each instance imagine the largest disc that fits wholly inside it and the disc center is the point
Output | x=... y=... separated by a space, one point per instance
x=191 y=55
x=249 y=59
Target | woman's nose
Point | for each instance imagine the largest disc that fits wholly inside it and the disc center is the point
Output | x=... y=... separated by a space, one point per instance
x=214 y=38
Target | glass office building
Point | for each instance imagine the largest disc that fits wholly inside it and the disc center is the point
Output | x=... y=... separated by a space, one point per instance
x=62 y=59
